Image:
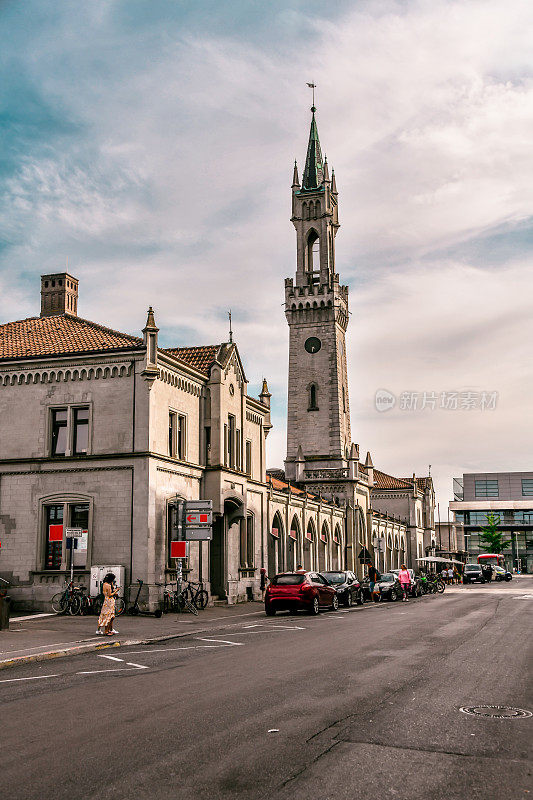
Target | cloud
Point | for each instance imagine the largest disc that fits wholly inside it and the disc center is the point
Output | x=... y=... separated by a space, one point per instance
x=154 y=149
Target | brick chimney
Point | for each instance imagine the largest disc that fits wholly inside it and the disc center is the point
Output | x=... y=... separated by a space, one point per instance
x=59 y=294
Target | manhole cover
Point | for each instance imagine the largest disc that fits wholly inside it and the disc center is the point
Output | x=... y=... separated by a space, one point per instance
x=498 y=712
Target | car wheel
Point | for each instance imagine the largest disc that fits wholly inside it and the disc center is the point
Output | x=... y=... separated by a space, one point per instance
x=269 y=611
x=508 y=577
x=349 y=600
x=335 y=602
x=360 y=598
x=393 y=595
x=315 y=607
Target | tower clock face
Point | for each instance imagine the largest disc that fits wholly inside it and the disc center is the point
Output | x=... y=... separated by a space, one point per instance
x=313 y=345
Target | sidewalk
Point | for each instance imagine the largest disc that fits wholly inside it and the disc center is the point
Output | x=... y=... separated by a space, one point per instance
x=38 y=637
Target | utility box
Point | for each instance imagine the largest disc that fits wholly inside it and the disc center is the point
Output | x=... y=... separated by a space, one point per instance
x=98 y=573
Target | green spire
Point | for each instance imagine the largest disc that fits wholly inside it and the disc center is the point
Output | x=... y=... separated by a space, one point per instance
x=314 y=166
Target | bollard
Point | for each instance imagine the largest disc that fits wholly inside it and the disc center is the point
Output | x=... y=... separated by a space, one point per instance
x=5 y=603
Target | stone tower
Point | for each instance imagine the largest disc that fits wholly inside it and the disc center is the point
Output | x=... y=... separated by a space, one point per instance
x=316 y=307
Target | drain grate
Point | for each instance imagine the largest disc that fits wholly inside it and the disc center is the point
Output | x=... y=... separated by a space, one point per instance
x=497 y=712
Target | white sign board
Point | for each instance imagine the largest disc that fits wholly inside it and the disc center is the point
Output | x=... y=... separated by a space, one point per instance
x=74 y=533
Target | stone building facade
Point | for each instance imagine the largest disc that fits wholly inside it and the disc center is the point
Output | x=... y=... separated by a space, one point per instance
x=105 y=431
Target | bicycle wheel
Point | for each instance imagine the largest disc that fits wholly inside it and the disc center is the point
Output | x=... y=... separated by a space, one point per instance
x=120 y=605
x=59 y=603
x=167 y=603
x=74 y=606
x=190 y=607
x=97 y=604
x=201 y=600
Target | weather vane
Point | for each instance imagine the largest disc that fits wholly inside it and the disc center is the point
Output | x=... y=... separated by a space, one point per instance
x=230 y=331
x=313 y=87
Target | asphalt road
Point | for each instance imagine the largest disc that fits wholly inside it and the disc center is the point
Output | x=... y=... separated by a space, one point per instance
x=362 y=704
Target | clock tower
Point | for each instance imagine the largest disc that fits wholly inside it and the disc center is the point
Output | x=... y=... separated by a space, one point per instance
x=316 y=307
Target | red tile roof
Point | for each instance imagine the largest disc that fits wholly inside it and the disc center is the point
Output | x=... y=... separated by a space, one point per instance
x=283 y=486
x=384 y=481
x=59 y=335
x=200 y=358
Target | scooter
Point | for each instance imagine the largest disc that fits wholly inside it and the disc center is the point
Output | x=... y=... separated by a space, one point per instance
x=135 y=611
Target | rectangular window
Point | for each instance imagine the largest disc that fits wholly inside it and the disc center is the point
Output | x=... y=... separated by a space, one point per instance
x=59 y=431
x=248 y=465
x=208 y=445
x=172 y=433
x=487 y=488
x=80 y=422
x=79 y=518
x=225 y=445
x=231 y=441
x=53 y=544
x=527 y=487
x=250 y=540
x=181 y=445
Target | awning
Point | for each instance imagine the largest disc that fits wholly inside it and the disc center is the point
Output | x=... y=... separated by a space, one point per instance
x=439 y=560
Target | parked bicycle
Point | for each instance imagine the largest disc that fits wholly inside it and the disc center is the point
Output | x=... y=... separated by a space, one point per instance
x=67 y=601
x=196 y=593
x=177 y=599
x=90 y=604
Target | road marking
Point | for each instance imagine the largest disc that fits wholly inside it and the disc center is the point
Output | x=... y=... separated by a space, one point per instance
x=100 y=671
x=112 y=658
x=33 y=678
x=139 y=666
x=33 y=616
x=221 y=641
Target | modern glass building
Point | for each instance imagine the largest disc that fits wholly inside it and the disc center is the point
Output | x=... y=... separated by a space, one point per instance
x=509 y=497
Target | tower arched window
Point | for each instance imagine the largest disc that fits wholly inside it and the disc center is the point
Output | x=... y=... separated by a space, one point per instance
x=317 y=209
x=313 y=252
x=313 y=397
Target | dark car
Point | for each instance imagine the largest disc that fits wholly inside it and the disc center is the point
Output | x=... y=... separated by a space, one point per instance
x=349 y=590
x=306 y=591
x=473 y=573
x=389 y=586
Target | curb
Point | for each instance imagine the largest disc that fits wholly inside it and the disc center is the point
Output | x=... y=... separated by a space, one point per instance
x=87 y=648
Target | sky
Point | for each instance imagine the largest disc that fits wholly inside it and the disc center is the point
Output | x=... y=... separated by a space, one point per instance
x=150 y=145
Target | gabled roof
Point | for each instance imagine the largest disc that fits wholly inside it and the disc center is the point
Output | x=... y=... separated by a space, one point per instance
x=283 y=486
x=200 y=358
x=384 y=481
x=60 y=335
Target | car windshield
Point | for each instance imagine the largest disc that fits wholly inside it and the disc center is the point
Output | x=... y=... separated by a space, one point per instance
x=334 y=577
x=288 y=580
x=472 y=568
x=388 y=577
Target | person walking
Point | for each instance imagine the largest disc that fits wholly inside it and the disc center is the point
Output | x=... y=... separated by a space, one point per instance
x=373 y=578
x=450 y=575
x=405 y=582
x=107 y=615
x=263 y=581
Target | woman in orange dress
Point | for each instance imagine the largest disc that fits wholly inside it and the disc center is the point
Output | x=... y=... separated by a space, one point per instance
x=107 y=615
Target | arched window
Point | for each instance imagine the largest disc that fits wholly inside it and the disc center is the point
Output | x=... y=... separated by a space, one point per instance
x=313 y=398
x=313 y=252
x=293 y=544
x=247 y=542
x=317 y=209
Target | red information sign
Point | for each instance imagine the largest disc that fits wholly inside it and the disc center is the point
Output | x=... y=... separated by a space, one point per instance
x=275 y=532
x=198 y=519
x=178 y=549
x=55 y=533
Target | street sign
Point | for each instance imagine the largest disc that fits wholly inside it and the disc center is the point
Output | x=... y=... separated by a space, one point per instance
x=198 y=505
x=199 y=534
x=74 y=533
x=178 y=549
x=379 y=543
x=197 y=519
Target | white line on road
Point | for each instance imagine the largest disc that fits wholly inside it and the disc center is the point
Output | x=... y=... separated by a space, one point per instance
x=139 y=666
x=221 y=641
x=33 y=678
x=33 y=616
x=100 y=671
x=112 y=658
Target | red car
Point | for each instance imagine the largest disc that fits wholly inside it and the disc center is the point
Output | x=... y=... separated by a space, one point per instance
x=308 y=591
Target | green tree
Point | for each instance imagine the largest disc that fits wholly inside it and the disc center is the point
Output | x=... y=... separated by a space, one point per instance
x=492 y=539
